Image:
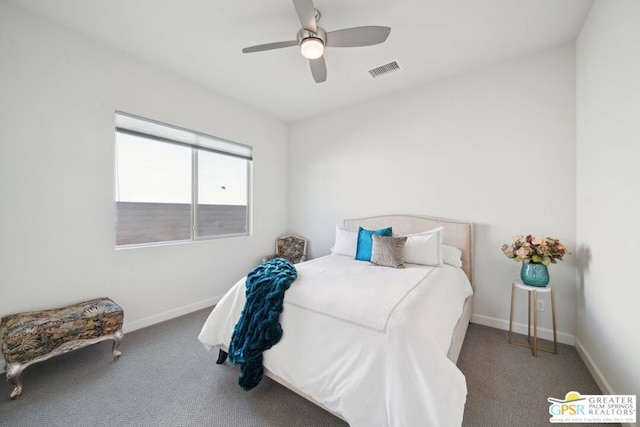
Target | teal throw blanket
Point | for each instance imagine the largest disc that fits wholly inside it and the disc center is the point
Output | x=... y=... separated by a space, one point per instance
x=258 y=328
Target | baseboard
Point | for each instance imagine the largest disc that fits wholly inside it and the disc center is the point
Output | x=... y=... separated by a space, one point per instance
x=593 y=369
x=521 y=328
x=170 y=314
x=156 y=318
x=596 y=373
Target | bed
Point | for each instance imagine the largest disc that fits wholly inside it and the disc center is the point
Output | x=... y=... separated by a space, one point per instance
x=380 y=352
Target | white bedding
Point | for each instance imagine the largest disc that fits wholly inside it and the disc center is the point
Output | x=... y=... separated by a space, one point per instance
x=374 y=351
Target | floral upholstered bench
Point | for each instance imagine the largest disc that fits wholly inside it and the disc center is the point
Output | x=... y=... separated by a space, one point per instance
x=35 y=336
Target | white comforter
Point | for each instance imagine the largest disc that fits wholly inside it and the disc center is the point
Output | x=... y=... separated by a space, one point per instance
x=370 y=343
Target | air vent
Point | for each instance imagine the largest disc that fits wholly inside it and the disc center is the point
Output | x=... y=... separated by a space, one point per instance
x=384 y=69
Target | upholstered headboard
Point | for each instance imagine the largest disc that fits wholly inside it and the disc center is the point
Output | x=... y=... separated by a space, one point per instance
x=456 y=233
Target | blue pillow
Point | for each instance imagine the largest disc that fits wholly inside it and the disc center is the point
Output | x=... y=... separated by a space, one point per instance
x=363 y=250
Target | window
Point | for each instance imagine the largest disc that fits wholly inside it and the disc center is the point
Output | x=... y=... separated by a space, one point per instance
x=172 y=184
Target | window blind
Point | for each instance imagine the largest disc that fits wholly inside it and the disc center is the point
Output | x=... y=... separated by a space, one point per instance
x=130 y=124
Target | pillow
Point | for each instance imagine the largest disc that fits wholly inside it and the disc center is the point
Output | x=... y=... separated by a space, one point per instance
x=346 y=242
x=363 y=248
x=452 y=255
x=387 y=251
x=424 y=248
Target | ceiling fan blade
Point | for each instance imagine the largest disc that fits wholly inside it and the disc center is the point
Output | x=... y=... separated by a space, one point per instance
x=306 y=14
x=269 y=46
x=357 y=36
x=318 y=69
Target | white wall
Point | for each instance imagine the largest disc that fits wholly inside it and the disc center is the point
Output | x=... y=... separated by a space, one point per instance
x=58 y=97
x=608 y=151
x=495 y=146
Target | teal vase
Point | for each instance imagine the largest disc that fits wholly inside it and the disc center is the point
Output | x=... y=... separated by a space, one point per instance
x=534 y=274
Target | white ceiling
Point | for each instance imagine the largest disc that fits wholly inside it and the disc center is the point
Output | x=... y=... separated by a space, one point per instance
x=201 y=40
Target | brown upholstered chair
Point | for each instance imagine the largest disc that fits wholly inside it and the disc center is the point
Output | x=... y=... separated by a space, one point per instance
x=291 y=247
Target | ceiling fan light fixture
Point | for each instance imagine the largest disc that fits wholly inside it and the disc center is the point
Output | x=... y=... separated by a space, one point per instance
x=312 y=48
x=312 y=39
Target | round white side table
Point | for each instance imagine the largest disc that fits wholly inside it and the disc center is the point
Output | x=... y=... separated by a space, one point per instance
x=532 y=292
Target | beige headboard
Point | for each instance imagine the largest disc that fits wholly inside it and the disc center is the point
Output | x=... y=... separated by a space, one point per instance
x=456 y=233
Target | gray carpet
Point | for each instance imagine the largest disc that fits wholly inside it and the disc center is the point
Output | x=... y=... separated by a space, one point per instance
x=166 y=378
x=507 y=386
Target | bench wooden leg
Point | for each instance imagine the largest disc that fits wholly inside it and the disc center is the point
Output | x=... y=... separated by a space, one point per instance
x=14 y=372
x=117 y=339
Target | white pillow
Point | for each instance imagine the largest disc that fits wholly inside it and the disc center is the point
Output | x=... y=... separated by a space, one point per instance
x=424 y=248
x=346 y=242
x=452 y=255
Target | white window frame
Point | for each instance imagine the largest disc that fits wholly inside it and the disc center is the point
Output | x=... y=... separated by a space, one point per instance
x=198 y=142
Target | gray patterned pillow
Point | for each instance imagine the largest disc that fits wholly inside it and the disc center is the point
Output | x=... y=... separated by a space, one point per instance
x=387 y=251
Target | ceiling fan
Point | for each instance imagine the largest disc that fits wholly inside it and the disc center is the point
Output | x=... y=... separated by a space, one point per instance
x=312 y=39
